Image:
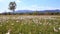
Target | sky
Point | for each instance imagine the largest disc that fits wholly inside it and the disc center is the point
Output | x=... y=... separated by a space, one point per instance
x=30 y=5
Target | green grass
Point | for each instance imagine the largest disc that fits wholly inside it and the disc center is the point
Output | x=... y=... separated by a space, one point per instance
x=30 y=26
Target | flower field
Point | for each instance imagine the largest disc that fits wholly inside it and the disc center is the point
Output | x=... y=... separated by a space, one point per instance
x=16 y=24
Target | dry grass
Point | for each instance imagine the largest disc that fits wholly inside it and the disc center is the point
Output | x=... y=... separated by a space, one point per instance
x=28 y=24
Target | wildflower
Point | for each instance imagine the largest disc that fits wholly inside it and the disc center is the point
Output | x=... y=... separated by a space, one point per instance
x=21 y=18
x=59 y=28
x=12 y=24
x=17 y=21
x=40 y=23
x=49 y=23
x=8 y=32
x=55 y=29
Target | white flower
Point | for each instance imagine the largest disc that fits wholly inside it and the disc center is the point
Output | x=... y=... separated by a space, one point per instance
x=55 y=29
x=17 y=21
x=49 y=23
x=8 y=32
x=59 y=28
x=40 y=23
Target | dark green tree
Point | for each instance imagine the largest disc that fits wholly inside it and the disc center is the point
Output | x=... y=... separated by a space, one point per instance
x=12 y=6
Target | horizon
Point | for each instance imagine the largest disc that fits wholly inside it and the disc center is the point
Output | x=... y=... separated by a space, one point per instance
x=30 y=5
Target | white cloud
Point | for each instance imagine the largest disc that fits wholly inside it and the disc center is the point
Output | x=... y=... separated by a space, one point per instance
x=15 y=0
x=1 y=0
x=18 y=1
x=36 y=7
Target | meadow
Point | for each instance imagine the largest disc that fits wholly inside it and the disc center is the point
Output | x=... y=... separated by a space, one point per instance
x=18 y=24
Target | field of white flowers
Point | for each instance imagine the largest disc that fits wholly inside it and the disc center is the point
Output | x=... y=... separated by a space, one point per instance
x=16 y=24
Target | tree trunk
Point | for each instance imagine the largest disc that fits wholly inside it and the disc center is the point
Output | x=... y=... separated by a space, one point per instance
x=13 y=11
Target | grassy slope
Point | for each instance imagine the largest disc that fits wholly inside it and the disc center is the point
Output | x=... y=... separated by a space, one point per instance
x=18 y=24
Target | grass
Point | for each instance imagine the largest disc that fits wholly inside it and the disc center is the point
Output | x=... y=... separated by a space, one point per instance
x=30 y=24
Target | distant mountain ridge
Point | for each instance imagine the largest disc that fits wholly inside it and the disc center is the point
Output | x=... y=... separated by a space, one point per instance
x=23 y=11
x=30 y=11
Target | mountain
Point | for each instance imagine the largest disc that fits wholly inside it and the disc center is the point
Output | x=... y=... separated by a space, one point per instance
x=24 y=11
x=30 y=11
x=52 y=11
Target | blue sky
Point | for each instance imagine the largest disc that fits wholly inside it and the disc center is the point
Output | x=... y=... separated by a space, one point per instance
x=31 y=5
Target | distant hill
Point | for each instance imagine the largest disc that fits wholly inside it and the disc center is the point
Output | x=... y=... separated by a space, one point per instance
x=30 y=11
x=24 y=11
x=52 y=11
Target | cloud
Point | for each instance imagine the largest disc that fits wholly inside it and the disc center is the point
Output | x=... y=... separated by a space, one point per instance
x=15 y=0
x=18 y=1
x=36 y=7
x=1 y=0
